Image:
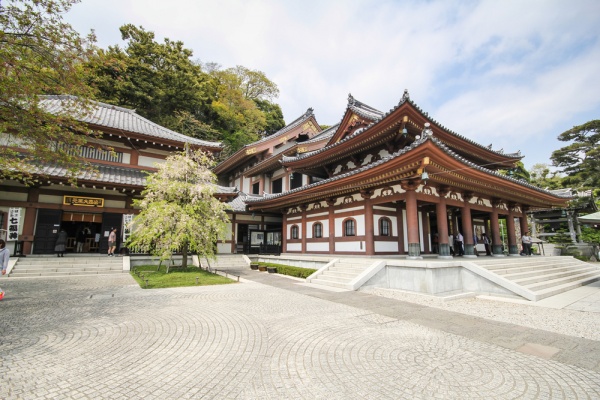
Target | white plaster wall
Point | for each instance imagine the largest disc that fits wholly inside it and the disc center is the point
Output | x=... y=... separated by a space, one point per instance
x=345 y=210
x=310 y=230
x=145 y=161
x=294 y=246
x=114 y=204
x=386 y=246
x=357 y=246
x=247 y=185
x=14 y=196
x=223 y=248
x=360 y=226
x=46 y=198
x=317 y=246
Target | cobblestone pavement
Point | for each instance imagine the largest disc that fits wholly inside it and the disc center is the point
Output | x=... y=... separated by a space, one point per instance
x=105 y=338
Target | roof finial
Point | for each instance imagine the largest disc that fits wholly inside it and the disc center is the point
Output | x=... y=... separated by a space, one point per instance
x=350 y=99
x=427 y=131
x=309 y=111
x=406 y=95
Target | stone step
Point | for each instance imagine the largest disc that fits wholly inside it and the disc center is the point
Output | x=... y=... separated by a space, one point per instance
x=327 y=282
x=531 y=271
x=17 y=274
x=558 y=289
x=535 y=287
x=525 y=278
x=342 y=274
x=344 y=267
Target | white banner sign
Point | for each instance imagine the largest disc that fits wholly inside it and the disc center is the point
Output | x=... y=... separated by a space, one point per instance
x=14 y=218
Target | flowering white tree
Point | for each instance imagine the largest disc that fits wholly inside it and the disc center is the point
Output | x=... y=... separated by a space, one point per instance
x=179 y=211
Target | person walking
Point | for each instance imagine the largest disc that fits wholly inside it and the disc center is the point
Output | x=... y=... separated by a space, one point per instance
x=80 y=241
x=526 y=241
x=4 y=257
x=458 y=248
x=486 y=244
x=61 y=243
x=112 y=242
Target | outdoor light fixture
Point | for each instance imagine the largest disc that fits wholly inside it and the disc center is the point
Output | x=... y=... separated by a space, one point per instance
x=424 y=175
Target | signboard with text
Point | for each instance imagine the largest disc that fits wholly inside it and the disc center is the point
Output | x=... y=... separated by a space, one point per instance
x=83 y=201
x=14 y=218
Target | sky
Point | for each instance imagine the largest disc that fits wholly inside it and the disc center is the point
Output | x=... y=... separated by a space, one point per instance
x=514 y=74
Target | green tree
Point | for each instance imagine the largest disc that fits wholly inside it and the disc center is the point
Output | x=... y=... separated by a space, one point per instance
x=40 y=54
x=518 y=172
x=159 y=80
x=179 y=210
x=542 y=177
x=273 y=116
x=580 y=160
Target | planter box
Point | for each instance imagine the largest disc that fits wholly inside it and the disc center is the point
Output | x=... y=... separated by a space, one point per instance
x=254 y=266
x=272 y=270
x=262 y=268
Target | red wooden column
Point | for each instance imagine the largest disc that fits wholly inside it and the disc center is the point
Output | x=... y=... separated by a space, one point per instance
x=284 y=232
x=369 y=229
x=495 y=227
x=467 y=226
x=330 y=204
x=412 y=219
x=33 y=196
x=442 y=224
x=513 y=248
x=303 y=208
x=400 y=224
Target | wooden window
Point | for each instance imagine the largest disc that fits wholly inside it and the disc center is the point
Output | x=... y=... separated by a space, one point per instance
x=318 y=230
x=350 y=227
x=295 y=231
x=384 y=227
x=277 y=186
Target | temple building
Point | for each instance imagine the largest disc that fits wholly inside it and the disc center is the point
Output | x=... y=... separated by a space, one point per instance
x=129 y=148
x=394 y=183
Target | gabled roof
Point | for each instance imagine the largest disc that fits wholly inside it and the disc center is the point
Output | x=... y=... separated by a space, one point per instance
x=106 y=174
x=252 y=149
x=338 y=149
x=356 y=112
x=400 y=161
x=121 y=119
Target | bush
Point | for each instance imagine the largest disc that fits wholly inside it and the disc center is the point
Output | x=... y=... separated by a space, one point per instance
x=298 y=272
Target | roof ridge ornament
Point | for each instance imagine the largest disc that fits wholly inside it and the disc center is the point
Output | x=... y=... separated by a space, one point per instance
x=309 y=111
x=427 y=131
x=351 y=100
x=405 y=95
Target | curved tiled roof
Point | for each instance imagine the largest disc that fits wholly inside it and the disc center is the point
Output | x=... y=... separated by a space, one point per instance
x=405 y=98
x=105 y=174
x=363 y=110
x=326 y=134
x=120 y=118
x=406 y=149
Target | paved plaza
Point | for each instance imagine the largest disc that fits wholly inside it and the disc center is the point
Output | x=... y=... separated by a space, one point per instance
x=270 y=337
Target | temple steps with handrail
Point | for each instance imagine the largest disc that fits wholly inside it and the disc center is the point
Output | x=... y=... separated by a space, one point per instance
x=46 y=266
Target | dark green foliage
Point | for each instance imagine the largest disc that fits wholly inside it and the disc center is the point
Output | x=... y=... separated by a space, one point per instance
x=289 y=270
x=580 y=160
x=273 y=116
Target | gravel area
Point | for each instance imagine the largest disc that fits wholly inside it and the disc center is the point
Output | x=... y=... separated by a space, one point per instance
x=581 y=324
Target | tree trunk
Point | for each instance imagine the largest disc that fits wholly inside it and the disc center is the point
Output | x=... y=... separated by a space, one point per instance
x=184 y=253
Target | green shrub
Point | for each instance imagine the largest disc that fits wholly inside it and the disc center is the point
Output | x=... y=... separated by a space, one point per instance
x=298 y=272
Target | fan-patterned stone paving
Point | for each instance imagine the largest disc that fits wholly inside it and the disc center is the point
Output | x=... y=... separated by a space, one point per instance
x=105 y=338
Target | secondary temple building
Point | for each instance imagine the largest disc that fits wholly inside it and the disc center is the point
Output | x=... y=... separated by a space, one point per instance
x=394 y=183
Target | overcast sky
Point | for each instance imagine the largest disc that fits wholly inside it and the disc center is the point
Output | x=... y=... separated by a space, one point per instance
x=514 y=74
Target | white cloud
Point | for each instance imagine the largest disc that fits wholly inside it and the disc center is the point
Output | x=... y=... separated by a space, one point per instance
x=510 y=72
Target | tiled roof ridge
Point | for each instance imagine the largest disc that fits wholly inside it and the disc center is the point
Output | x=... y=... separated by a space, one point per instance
x=426 y=135
x=359 y=107
x=327 y=133
x=174 y=135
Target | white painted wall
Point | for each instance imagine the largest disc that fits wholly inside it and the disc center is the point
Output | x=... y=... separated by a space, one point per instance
x=293 y=246
x=360 y=225
x=386 y=246
x=358 y=246
x=317 y=247
x=145 y=161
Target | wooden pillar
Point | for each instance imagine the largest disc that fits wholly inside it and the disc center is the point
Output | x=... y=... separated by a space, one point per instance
x=426 y=232
x=412 y=219
x=303 y=208
x=400 y=224
x=233 y=235
x=513 y=249
x=467 y=226
x=330 y=204
x=369 y=229
x=284 y=232
x=495 y=228
x=33 y=196
x=442 y=224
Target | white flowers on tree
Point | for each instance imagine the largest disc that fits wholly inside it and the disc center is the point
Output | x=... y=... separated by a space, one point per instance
x=179 y=211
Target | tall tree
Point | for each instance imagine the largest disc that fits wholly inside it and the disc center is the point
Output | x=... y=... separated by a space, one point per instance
x=40 y=54
x=179 y=211
x=159 y=80
x=273 y=116
x=543 y=177
x=580 y=160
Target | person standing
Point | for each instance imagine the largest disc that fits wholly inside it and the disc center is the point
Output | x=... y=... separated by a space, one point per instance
x=61 y=243
x=486 y=244
x=4 y=257
x=526 y=241
x=451 y=244
x=112 y=242
x=459 y=244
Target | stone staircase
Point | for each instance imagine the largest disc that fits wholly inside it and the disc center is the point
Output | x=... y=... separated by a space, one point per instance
x=341 y=273
x=542 y=276
x=70 y=265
